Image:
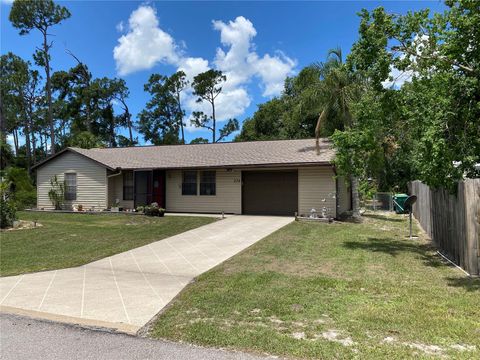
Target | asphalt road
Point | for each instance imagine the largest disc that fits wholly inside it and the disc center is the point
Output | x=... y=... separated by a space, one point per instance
x=24 y=338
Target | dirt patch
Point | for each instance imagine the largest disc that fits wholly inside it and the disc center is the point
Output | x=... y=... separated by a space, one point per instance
x=463 y=347
x=299 y=335
x=23 y=225
x=427 y=349
x=336 y=336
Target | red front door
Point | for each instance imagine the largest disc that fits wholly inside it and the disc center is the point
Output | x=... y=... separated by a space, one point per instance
x=159 y=187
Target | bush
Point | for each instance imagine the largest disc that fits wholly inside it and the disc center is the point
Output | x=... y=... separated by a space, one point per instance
x=57 y=193
x=153 y=210
x=7 y=207
x=24 y=194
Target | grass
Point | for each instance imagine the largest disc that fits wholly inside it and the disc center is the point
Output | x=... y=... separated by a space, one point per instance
x=67 y=240
x=332 y=291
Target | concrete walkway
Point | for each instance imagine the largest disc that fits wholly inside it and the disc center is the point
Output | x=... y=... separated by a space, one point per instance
x=126 y=290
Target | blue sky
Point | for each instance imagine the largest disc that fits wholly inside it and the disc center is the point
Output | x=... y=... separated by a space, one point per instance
x=256 y=44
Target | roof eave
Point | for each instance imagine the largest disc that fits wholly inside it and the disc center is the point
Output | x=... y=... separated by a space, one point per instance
x=54 y=156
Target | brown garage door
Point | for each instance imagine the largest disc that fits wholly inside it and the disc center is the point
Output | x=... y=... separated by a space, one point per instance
x=270 y=192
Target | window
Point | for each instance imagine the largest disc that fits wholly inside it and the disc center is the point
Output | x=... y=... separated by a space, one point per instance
x=128 y=185
x=207 y=183
x=70 y=186
x=189 y=183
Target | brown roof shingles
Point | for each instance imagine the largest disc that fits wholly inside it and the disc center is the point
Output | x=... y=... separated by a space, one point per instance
x=233 y=154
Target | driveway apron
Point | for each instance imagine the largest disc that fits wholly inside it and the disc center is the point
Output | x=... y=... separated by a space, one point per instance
x=125 y=291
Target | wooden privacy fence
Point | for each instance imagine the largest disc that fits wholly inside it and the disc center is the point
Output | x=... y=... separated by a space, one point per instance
x=452 y=220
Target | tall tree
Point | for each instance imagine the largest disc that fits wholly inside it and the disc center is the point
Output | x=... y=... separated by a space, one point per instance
x=162 y=118
x=19 y=88
x=177 y=84
x=434 y=132
x=207 y=86
x=121 y=93
x=40 y=15
x=337 y=91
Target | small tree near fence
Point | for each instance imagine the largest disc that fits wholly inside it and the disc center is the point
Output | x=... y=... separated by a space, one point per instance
x=56 y=193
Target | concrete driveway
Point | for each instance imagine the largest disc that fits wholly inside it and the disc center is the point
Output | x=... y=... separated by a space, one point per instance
x=126 y=290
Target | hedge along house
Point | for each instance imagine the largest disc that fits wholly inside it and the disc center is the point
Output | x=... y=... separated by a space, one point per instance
x=277 y=177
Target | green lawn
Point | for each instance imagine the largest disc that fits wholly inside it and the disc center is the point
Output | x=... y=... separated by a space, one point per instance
x=332 y=291
x=67 y=240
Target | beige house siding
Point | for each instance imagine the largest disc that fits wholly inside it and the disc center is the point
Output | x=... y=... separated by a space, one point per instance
x=115 y=191
x=228 y=196
x=344 y=196
x=91 y=181
x=316 y=189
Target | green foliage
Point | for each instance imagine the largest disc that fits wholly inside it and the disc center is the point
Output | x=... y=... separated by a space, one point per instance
x=207 y=86
x=7 y=213
x=293 y=115
x=38 y=14
x=427 y=129
x=199 y=140
x=153 y=210
x=7 y=206
x=84 y=104
x=6 y=153
x=56 y=194
x=85 y=140
x=162 y=119
x=24 y=193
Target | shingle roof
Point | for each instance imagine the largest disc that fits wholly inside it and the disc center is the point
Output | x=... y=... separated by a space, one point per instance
x=232 y=154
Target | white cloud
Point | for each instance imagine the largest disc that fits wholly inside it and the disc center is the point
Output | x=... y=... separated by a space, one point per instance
x=240 y=62
x=145 y=43
x=193 y=66
x=397 y=78
x=273 y=70
x=6 y=2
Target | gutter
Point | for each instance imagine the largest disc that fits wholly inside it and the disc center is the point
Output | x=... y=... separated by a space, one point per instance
x=116 y=174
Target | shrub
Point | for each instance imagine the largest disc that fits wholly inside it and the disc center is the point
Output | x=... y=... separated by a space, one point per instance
x=56 y=193
x=7 y=207
x=7 y=213
x=153 y=210
x=24 y=194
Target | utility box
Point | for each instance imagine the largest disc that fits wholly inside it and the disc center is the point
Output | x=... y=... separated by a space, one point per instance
x=399 y=203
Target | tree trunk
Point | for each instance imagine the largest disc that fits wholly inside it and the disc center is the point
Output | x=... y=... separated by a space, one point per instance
x=41 y=139
x=15 y=141
x=26 y=131
x=355 y=197
x=181 y=120
x=129 y=122
x=49 y=94
x=213 y=119
x=34 y=144
x=28 y=148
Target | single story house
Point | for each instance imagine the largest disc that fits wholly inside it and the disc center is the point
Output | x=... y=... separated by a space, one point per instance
x=278 y=177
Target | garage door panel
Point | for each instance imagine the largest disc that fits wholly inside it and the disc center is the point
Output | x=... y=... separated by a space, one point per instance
x=270 y=192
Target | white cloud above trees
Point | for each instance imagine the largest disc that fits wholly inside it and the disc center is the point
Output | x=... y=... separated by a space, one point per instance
x=144 y=44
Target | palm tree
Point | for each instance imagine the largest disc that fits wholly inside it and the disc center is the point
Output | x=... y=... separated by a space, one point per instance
x=337 y=91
